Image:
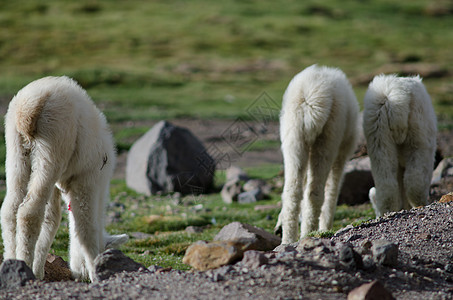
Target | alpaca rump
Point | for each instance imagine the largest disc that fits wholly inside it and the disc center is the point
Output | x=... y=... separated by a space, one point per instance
x=400 y=129
x=318 y=125
x=58 y=146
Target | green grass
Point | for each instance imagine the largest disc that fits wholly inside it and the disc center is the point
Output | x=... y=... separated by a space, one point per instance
x=165 y=220
x=153 y=60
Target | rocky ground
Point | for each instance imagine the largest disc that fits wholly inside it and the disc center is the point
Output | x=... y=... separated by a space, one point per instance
x=423 y=270
x=315 y=270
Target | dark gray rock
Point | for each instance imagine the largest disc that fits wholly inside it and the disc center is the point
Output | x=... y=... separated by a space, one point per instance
x=113 y=261
x=14 y=273
x=169 y=159
x=349 y=258
x=357 y=182
x=256 y=238
x=385 y=253
x=250 y=197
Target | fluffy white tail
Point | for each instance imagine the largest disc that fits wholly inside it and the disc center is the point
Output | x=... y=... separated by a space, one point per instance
x=307 y=105
x=387 y=104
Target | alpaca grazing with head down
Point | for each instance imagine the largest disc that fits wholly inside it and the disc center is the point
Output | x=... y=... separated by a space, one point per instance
x=400 y=128
x=58 y=146
x=318 y=125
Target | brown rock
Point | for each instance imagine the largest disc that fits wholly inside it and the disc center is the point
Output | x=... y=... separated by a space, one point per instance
x=56 y=269
x=446 y=198
x=370 y=291
x=203 y=255
x=255 y=238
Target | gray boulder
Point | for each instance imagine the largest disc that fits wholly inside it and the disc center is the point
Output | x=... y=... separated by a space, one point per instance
x=169 y=159
x=14 y=273
x=357 y=181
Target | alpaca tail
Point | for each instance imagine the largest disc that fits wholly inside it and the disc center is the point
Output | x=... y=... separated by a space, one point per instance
x=307 y=103
x=114 y=241
x=387 y=104
x=27 y=114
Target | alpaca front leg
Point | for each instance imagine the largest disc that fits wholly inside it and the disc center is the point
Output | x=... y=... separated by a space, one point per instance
x=49 y=229
x=332 y=188
x=330 y=202
x=85 y=232
x=76 y=257
x=319 y=168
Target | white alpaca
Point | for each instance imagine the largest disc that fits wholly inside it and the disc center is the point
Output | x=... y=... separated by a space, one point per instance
x=400 y=128
x=318 y=125
x=58 y=145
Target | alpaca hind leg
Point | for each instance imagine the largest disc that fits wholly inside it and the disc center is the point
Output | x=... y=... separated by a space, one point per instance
x=332 y=190
x=402 y=189
x=417 y=177
x=384 y=166
x=31 y=212
x=52 y=219
x=17 y=176
x=334 y=182
x=320 y=163
x=292 y=195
